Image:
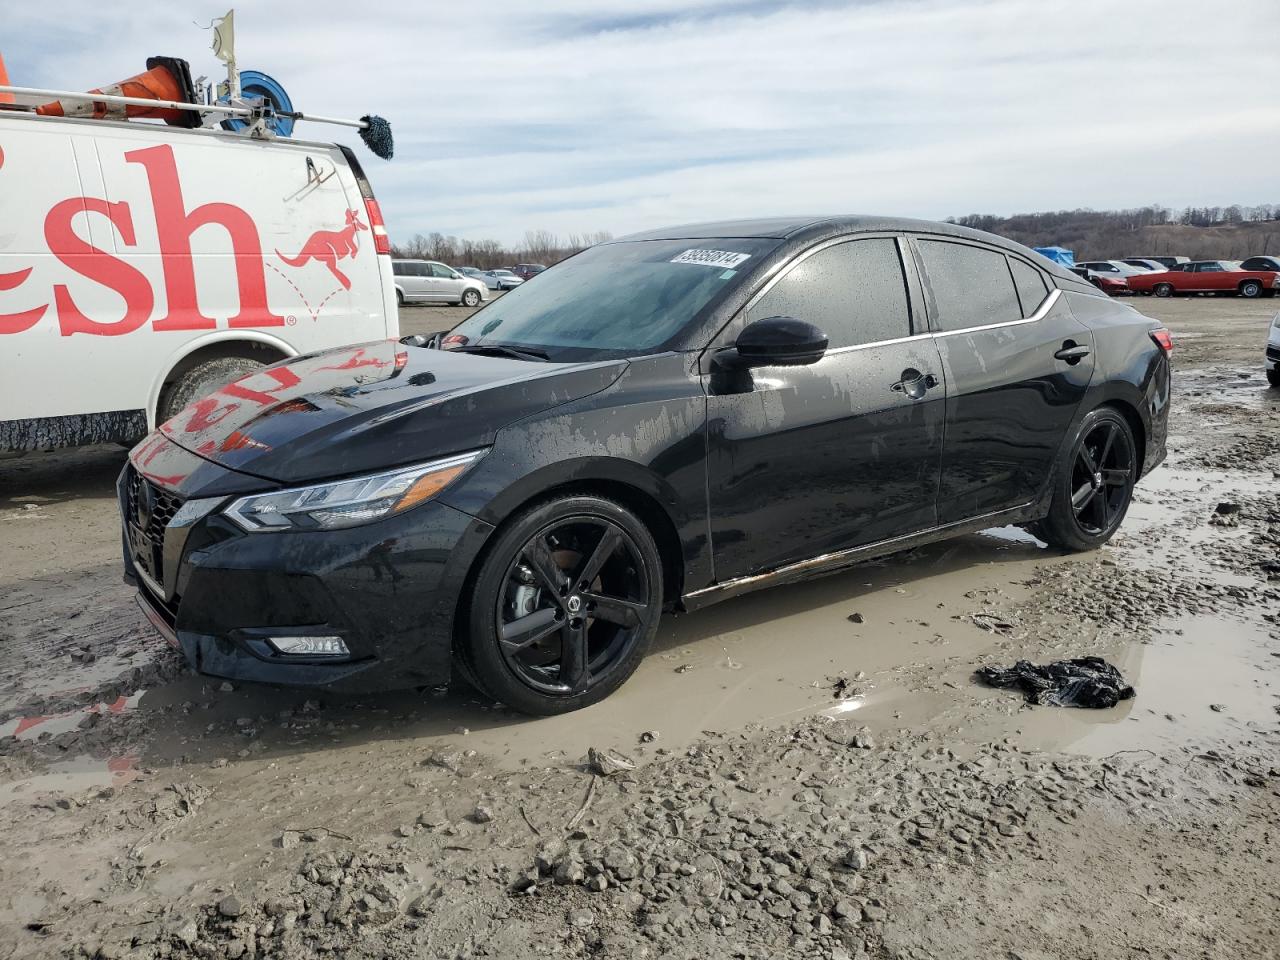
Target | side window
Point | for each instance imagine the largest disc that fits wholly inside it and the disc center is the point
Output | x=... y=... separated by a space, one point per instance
x=1030 y=284
x=440 y=270
x=398 y=268
x=854 y=292
x=971 y=285
x=417 y=270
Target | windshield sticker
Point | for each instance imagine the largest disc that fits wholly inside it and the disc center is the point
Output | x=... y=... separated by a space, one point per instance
x=712 y=258
x=727 y=274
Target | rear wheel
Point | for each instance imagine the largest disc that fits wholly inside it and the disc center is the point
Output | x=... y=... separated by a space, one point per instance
x=470 y=298
x=399 y=298
x=565 y=605
x=1093 y=484
x=1163 y=290
x=1251 y=289
x=202 y=380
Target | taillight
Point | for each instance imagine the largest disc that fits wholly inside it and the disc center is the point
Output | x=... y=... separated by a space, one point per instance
x=381 y=242
x=1163 y=340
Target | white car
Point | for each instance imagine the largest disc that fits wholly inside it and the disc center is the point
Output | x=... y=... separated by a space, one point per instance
x=428 y=281
x=1114 y=268
x=502 y=280
x=1273 y=353
x=144 y=266
x=1143 y=263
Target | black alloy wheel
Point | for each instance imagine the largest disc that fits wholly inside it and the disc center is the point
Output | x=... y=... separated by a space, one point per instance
x=1094 y=484
x=1102 y=478
x=565 y=607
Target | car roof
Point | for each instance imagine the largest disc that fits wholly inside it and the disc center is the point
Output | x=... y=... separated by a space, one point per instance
x=817 y=228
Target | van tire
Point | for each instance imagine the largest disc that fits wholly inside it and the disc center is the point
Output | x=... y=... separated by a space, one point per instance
x=470 y=298
x=399 y=298
x=200 y=381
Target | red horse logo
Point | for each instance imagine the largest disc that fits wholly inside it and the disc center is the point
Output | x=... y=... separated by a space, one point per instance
x=330 y=246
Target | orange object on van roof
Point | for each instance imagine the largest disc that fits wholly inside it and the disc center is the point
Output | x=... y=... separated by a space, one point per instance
x=4 y=82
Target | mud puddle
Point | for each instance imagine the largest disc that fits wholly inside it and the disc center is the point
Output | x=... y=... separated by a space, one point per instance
x=788 y=651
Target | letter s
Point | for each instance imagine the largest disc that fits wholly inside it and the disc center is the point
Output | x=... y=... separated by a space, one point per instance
x=99 y=266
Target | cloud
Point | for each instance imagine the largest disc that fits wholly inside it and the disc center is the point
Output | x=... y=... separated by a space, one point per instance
x=570 y=115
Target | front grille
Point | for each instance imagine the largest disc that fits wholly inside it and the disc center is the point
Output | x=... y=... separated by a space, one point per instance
x=147 y=512
x=1273 y=353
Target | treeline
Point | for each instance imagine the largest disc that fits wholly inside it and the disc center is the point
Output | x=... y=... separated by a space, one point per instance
x=1228 y=233
x=539 y=246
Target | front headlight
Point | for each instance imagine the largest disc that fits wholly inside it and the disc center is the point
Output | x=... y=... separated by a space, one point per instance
x=345 y=503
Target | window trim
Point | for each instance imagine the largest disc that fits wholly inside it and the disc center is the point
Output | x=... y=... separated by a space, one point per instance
x=913 y=310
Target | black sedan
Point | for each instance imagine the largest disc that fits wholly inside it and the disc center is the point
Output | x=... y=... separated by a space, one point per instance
x=658 y=423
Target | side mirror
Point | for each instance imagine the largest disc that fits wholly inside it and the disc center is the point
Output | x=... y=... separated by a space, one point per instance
x=776 y=342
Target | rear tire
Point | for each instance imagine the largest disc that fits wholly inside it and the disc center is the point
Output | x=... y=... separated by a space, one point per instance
x=1093 y=484
x=200 y=381
x=1251 y=289
x=399 y=299
x=535 y=637
x=1163 y=290
x=471 y=298
x=1273 y=377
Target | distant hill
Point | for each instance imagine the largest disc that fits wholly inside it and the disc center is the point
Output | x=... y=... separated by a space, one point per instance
x=1212 y=233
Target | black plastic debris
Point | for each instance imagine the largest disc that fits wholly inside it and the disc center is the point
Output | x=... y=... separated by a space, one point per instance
x=1083 y=682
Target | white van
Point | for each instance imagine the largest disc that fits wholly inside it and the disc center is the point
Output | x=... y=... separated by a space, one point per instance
x=142 y=265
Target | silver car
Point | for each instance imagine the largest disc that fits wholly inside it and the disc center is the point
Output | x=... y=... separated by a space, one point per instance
x=1114 y=268
x=426 y=281
x=502 y=280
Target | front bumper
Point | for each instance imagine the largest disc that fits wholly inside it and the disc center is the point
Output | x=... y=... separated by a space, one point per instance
x=389 y=589
x=1273 y=356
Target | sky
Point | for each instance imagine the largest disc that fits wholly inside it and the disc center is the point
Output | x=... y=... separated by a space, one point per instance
x=578 y=116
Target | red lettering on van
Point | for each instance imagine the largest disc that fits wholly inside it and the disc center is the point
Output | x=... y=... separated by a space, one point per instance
x=174 y=225
x=98 y=265
x=24 y=319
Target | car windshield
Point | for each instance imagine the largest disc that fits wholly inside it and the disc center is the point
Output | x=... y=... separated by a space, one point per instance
x=615 y=300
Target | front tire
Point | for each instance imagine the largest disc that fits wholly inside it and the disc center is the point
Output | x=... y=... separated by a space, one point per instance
x=1251 y=289
x=1093 y=484
x=471 y=298
x=565 y=605
x=200 y=381
x=1273 y=377
x=1163 y=290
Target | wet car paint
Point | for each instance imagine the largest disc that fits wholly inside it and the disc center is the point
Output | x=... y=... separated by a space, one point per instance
x=765 y=479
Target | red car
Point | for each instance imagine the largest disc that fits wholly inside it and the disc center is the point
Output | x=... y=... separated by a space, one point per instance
x=1111 y=286
x=1208 y=276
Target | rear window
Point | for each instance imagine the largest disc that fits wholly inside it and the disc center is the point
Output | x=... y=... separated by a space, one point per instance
x=971 y=286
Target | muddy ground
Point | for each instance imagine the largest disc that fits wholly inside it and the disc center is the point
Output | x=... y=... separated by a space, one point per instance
x=804 y=785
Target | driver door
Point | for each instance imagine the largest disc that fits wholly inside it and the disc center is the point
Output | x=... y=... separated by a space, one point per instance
x=808 y=460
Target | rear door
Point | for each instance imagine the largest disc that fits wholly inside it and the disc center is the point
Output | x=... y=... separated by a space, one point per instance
x=809 y=460
x=1003 y=332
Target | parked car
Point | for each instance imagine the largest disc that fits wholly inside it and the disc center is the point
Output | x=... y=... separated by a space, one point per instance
x=658 y=423
x=1165 y=261
x=1112 y=268
x=1207 y=276
x=474 y=272
x=527 y=271
x=1142 y=263
x=1110 y=285
x=427 y=281
x=1261 y=263
x=148 y=264
x=502 y=280
x=1273 y=353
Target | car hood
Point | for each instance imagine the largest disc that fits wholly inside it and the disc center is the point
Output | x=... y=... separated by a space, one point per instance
x=372 y=407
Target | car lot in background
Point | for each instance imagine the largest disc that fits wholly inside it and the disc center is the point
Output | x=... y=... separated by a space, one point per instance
x=429 y=281
x=526 y=271
x=1207 y=276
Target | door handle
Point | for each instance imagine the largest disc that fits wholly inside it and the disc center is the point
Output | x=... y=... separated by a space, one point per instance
x=1072 y=352
x=914 y=383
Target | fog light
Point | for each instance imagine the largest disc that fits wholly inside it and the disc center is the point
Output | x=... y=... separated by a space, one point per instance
x=309 y=646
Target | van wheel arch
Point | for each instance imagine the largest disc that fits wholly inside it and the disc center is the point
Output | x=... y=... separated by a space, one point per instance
x=181 y=382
